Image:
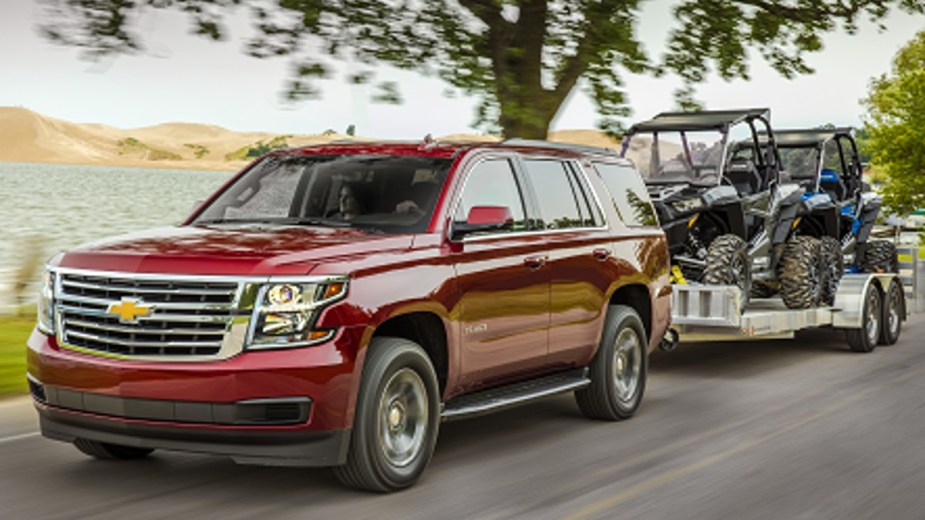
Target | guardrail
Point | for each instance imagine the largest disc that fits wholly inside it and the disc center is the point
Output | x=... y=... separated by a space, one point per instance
x=912 y=274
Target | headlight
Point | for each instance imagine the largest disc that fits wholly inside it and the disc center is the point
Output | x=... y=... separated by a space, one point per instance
x=686 y=205
x=46 y=306
x=285 y=313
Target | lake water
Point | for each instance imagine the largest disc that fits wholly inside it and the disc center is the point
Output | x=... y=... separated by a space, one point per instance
x=48 y=208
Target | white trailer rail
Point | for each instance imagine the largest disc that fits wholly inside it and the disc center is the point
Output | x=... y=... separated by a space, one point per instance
x=711 y=312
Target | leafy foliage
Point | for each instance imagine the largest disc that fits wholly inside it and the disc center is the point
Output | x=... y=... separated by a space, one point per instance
x=896 y=126
x=520 y=58
x=259 y=148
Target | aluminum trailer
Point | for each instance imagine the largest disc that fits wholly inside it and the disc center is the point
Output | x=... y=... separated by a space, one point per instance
x=870 y=308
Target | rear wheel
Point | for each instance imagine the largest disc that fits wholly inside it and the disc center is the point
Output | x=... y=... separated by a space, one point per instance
x=618 y=370
x=106 y=451
x=832 y=268
x=800 y=273
x=727 y=264
x=880 y=256
x=892 y=314
x=865 y=338
x=397 y=418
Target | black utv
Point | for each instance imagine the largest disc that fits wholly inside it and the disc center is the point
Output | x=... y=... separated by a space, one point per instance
x=727 y=218
x=826 y=163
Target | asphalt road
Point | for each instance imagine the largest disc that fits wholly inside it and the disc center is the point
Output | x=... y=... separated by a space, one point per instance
x=785 y=429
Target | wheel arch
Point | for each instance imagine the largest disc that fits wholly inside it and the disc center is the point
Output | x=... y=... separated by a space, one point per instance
x=637 y=297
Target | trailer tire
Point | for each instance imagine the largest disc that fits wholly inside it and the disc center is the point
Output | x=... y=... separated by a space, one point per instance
x=880 y=256
x=865 y=339
x=893 y=310
x=728 y=264
x=832 y=269
x=801 y=273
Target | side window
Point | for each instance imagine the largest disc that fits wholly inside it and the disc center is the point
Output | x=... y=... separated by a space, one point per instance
x=628 y=193
x=492 y=183
x=597 y=218
x=562 y=203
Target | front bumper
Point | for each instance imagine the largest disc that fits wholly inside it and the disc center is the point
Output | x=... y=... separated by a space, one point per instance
x=281 y=407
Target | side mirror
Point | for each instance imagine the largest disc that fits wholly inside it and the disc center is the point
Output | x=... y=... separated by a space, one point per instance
x=483 y=219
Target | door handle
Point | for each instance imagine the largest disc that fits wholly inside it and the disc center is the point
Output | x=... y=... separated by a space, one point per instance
x=535 y=262
x=601 y=253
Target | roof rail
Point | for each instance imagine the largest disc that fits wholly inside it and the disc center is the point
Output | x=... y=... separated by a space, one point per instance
x=538 y=143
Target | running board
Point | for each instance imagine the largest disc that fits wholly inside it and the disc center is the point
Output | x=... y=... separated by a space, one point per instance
x=510 y=395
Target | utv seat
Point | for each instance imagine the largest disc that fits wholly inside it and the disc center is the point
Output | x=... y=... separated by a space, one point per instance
x=742 y=173
x=831 y=183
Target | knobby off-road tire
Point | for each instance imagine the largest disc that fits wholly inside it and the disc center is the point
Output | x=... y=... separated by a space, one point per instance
x=800 y=273
x=104 y=451
x=762 y=290
x=397 y=418
x=618 y=370
x=865 y=338
x=880 y=257
x=728 y=264
x=893 y=310
x=833 y=267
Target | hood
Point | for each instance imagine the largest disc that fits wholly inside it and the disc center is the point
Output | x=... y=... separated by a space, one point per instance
x=228 y=250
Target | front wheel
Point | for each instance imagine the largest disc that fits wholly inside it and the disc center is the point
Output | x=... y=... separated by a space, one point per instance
x=397 y=418
x=618 y=370
x=865 y=338
x=728 y=264
x=833 y=266
x=800 y=273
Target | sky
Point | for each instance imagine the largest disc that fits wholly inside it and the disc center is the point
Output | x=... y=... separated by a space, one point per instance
x=180 y=77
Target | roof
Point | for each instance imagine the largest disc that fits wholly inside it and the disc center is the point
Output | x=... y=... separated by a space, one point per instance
x=808 y=136
x=704 y=120
x=443 y=149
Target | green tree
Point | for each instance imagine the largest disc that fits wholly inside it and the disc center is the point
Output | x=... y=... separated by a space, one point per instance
x=521 y=58
x=896 y=128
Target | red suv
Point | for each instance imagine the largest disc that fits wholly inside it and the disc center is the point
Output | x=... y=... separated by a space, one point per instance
x=330 y=305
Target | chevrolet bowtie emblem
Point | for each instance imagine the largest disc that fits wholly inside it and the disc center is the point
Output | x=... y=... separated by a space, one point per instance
x=129 y=310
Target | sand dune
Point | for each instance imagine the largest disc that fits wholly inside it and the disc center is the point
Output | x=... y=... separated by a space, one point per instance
x=27 y=136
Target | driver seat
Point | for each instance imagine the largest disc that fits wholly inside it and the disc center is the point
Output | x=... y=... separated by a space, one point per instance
x=743 y=174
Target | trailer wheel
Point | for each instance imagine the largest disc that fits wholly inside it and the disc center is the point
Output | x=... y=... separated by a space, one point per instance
x=832 y=269
x=727 y=264
x=892 y=314
x=865 y=338
x=801 y=273
x=880 y=256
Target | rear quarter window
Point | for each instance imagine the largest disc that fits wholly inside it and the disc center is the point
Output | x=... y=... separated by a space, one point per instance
x=628 y=193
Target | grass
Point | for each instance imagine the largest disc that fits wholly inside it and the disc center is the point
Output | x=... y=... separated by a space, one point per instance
x=14 y=331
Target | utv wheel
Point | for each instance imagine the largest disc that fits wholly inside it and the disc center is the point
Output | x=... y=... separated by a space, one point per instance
x=832 y=268
x=397 y=418
x=105 y=451
x=893 y=309
x=800 y=273
x=866 y=338
x=880 y=257
x=618 y=370
x=727 y=264
x=762 y=290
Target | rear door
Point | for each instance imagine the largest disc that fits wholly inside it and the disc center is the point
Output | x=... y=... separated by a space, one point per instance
x=581 y=261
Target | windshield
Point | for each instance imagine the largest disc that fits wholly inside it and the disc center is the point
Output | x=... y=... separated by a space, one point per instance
x=800 y=162
x=678 y=157
x=393 y=194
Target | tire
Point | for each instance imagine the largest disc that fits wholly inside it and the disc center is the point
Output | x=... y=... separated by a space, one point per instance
x=865 y=338
x=397 y=418
x=104 y=451
x=833 y=268
x=618 y=370
x=762 y=290
x=800 y=273
x=893 y=308
x=880 y=256
x=728 y=264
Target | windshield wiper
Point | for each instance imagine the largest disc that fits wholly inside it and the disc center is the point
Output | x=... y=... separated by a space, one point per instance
x=317 y=221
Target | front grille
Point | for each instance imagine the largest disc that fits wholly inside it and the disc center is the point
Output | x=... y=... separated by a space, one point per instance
x=187 y=317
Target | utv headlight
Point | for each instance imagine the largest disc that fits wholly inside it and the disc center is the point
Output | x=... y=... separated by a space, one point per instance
x=285 y=313
x=686 y=205
x=46 y=307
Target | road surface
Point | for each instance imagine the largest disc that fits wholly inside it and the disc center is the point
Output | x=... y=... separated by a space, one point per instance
x=783 y=429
